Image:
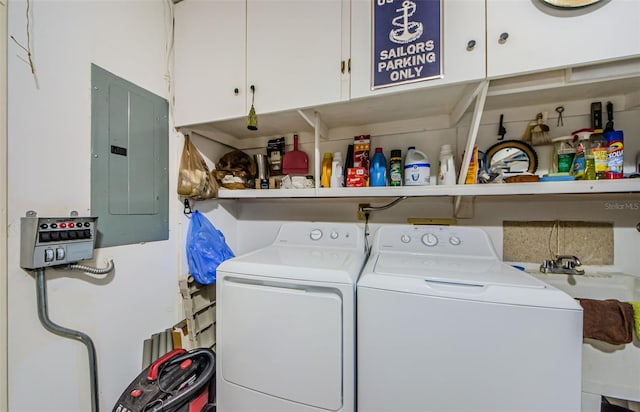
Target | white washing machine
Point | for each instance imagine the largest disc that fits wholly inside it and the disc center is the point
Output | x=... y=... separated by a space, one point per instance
x=286 y=321
x=444 y=325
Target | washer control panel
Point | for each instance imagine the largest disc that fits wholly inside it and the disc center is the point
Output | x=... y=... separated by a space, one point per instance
x=53 y=241
x=447 y=240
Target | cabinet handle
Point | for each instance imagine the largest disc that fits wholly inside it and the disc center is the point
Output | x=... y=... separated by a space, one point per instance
x=236 y=91
x=503 y=38
x=342 y=67
x=349 y=65
x=471 y=44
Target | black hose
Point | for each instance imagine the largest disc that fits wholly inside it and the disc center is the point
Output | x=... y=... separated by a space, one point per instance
x=203 y=379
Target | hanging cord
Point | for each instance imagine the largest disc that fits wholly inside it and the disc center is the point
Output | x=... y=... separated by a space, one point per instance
x=28 y=48
x=366 y=211
x=556 y=225
x=366 y=233
x=169 y=49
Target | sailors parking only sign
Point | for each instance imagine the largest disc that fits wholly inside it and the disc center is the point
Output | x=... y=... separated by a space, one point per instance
x=406 y=41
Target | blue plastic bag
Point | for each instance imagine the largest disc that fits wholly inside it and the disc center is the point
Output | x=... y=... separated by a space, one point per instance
x=206 y=249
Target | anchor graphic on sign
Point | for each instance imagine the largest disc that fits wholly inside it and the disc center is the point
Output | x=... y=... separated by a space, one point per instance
x=408 y=31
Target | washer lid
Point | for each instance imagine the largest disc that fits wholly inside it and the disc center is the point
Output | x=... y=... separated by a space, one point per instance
x=301 y=263
x=462 y=278
x=460 y=270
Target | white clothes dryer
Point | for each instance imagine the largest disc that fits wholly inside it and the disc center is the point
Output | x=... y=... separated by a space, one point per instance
x=444 y=325
x=286 y=321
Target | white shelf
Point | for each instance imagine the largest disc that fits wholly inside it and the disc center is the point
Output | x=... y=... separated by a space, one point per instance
x=265 y=193
x=443 y=106
x=497 y=189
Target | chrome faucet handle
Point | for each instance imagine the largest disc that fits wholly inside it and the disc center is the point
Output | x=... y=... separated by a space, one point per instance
x=571 y=260
x=571 y=263
x=567 y=264
x=548 y=265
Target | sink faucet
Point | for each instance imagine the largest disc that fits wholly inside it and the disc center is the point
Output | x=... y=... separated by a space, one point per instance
x=566 y=264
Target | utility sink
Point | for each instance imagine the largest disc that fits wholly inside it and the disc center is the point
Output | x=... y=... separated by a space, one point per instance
x=610 y=370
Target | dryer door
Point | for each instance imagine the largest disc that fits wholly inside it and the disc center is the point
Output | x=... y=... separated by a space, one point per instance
x=283 y=340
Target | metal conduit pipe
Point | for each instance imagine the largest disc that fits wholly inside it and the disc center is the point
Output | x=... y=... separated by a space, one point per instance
x=91 y=269
x=43 y=314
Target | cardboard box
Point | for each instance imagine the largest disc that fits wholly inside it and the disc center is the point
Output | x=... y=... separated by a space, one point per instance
x=361 y=146
x=356 y=177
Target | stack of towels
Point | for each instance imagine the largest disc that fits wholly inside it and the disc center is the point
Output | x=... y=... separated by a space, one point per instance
x=610 y=320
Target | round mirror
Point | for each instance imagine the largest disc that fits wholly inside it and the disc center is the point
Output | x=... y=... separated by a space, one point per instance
x=511 y=156
x=570 y=4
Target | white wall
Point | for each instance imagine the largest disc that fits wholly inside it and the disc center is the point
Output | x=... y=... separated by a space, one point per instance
x=49 y=172
x=259 y=220
x=3 y=205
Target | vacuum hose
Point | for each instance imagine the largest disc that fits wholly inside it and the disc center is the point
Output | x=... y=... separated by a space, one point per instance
x=43 y=314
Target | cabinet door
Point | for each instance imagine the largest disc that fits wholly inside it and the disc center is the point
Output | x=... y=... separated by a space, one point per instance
x=542 y=37
x=462 y=22
x=209 y=60
x=294 y=52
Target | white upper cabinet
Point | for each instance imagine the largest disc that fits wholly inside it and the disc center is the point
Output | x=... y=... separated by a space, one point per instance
x=289 y=50
x=462 y=37
x=294 y=52
x=527 y=35
x=209 y=61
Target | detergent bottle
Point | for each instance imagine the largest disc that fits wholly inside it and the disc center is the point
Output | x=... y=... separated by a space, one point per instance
x=325 y=178
x=417 y=170
x=378 y=172
x=446 y=166
x=337 y=171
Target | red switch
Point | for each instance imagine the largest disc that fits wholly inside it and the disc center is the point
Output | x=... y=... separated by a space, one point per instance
x=136 y=392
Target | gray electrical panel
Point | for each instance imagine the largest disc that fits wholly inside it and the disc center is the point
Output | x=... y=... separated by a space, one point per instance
x=55 y=241
x=130 y=161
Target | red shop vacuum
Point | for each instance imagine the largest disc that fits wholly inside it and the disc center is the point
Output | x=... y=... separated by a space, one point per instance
x=179 y=381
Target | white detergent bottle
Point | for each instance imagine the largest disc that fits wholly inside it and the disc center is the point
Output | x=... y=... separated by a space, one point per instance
x=337 y=174
x=417 y=170
x=446 y=166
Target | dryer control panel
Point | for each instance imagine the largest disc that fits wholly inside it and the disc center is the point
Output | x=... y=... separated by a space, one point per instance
x=335 y=235
x=54 y=241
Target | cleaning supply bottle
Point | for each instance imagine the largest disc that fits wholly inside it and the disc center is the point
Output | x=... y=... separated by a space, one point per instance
x=583 y=148
x=337 y=175
x=615 y=154
x=325 y=179
x=395 y=168
x=599 y=148
x=563 y=154
x=417 y=169
x=378 y=170
x=446 y=166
